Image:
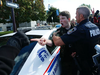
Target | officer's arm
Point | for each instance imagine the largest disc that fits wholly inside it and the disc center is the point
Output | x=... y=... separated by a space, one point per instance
x=57 y=40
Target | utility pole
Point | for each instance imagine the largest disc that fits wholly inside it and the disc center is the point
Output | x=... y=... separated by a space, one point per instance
x=52 y=19
x=13 y=18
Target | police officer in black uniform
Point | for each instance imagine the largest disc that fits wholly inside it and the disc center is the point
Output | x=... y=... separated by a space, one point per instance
x=9 y=51
x=65 y=52
x=67 y=62
x=82 y=40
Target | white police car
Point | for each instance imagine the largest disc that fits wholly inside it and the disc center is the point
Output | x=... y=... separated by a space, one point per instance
x=36 y=59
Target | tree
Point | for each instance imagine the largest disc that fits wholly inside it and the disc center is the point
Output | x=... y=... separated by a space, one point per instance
x=52 y=14
x=4 y=12
x=29 y=10
x=86 y=5
x=40 y=13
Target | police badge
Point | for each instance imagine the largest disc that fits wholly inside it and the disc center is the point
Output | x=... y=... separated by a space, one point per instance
x=72 y=30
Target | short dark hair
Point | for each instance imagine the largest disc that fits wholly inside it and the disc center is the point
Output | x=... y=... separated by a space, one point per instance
x=65 y=13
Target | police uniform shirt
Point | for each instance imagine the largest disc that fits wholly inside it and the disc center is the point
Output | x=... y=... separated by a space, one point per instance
x=83 y=38
x=65 y=52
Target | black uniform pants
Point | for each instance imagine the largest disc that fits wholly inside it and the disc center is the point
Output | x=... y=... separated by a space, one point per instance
x=68 y=68
x=85 y=69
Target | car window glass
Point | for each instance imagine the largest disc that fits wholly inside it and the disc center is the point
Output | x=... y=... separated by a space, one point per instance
x=53 y=48
x=22 y=57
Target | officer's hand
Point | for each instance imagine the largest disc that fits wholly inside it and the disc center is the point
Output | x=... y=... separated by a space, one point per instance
x=19 y=40
x=55 y=33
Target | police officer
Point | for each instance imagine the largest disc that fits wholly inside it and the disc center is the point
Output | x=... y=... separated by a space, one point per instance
x=67 y=62
x=65 y=52
x=82 y=39
x=9 y=51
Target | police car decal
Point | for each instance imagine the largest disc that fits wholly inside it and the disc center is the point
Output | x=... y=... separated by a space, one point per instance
x=52 y=63
x=42 y=54
x=72 y=30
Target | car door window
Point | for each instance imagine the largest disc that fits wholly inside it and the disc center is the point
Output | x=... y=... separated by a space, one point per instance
x=22 y=57
x=53 y=48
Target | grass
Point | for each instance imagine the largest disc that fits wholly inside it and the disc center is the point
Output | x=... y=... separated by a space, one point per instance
x=6 y=32
x=4 y=40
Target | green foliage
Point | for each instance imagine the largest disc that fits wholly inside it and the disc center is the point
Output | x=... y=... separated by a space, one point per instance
x=4 y=12
x=28 y=10
x=52 y=13
x=39 y=11
x=6 y=32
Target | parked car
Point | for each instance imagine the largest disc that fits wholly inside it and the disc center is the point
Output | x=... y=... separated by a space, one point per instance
x=35 y=59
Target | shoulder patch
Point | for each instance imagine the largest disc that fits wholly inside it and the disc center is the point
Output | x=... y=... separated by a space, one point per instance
x=72 y=30
x=90 y=25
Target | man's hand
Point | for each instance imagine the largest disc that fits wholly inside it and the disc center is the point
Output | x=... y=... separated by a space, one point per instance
x=43 y=41
x=19 y=40
x=93 y=12
x=57 y=40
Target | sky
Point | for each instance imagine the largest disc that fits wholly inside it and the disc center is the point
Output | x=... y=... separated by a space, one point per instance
x=71 y=5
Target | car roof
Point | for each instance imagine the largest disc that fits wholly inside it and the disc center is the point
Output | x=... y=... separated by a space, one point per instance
x=10 y=34
x=32 y=32
x=37 y=32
